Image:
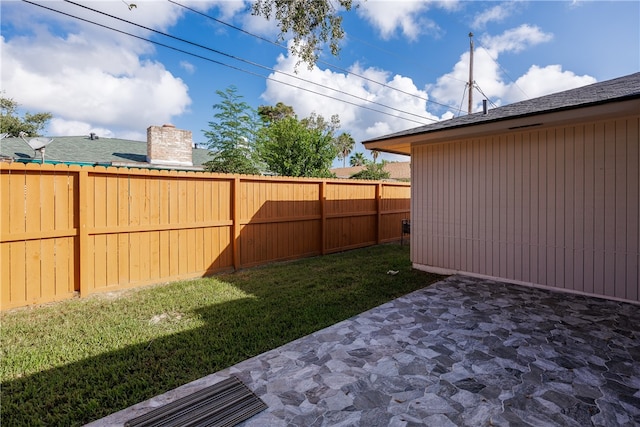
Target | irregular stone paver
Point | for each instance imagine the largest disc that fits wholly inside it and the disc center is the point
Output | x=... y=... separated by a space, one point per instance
x=462 y=352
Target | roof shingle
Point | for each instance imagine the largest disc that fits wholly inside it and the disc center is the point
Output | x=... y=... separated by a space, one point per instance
x=627 y=87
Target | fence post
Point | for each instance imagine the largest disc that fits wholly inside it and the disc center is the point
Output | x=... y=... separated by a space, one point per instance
x=323 y=217
x=235 y=214
x=83 y=233
x=378 y=212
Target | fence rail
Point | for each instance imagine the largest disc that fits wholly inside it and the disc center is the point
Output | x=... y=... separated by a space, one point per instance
x=69 y=229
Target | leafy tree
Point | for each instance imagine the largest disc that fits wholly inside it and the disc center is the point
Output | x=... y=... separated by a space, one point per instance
x=344 y=144
x=11 y=123
x=316 y=121
x=232 y=136
x=373 y=171
x=358 y=159
x=290 y=147
x=270 y=114
x=312 y=22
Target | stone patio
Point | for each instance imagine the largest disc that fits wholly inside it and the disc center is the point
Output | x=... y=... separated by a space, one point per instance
x=462 y=352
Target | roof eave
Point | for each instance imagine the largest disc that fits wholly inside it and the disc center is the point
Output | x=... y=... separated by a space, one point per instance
x=402 y=144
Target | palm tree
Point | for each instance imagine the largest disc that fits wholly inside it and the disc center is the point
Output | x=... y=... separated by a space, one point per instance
x=374 y=154
x=344 y=143
x=357 y=159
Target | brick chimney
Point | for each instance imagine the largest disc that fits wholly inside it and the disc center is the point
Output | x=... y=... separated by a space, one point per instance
x=167 y=145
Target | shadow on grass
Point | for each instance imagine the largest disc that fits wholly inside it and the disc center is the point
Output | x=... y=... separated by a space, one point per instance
x=312 y=295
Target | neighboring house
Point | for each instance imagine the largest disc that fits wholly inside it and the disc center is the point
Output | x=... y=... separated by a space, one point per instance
x=166 y=148
x=398 y=171
x=543 y=192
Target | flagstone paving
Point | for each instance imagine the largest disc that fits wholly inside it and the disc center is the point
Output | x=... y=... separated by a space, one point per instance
x=462 y=352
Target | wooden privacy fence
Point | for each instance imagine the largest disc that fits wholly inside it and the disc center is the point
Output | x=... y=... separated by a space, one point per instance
x=70 y=229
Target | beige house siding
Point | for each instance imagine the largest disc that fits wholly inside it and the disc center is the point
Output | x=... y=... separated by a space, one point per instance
x=556 y=207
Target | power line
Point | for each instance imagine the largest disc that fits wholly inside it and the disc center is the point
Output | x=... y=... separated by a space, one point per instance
x=231 y=66
x=255 y=64
x=475 y=84
x=336 y=67
x=504 y=71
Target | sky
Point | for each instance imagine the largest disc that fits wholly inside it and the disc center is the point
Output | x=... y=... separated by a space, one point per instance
x=402 y=64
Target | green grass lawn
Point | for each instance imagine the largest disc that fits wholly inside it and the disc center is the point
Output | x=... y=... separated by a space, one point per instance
x=73 y=362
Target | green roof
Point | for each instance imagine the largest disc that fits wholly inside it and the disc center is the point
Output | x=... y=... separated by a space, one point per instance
x=83 y=150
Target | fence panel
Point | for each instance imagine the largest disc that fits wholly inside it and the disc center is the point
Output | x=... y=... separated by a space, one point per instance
x=38 y=235
x=67 y=229
x=351 y=210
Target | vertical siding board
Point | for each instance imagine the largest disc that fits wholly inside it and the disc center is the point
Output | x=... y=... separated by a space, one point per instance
x=548 y=249
x=496 y=205
x=434 y=212
x=507 y=212
x=527 y=206
x=435 y=251
x=543 y=191
x=609 y=208
x=632 y=275
x=620 y=219
x=484 y=184
x=457 y=216
x=599 y=206
x=560 y=195
x=517 y=208
x=474 y=205
x=450 y=216
x=465 y=209
x=567 y=223
x=589 y=230
x=578 y=214
x=444 y=216
x=417 y=240
x=418 y=206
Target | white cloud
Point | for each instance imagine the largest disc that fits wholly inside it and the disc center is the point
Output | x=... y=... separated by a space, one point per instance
x=389 y=16
x=61 y=127
x=516 y=39
x=360 y=123
x=188 y=67
x=537 y=81
x=88 y=77
x=496 y=13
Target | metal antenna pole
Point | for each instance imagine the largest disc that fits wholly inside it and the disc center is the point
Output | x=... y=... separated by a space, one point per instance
x=470 y=73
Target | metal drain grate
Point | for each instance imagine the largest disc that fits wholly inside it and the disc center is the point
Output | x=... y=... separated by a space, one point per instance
x=226 y=403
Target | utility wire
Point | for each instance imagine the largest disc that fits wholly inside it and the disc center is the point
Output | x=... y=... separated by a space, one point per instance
x=464 y=91
x=336 y=67
x=504 y=71
x=255 y=64
x=224 y=64
x=475 y=85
